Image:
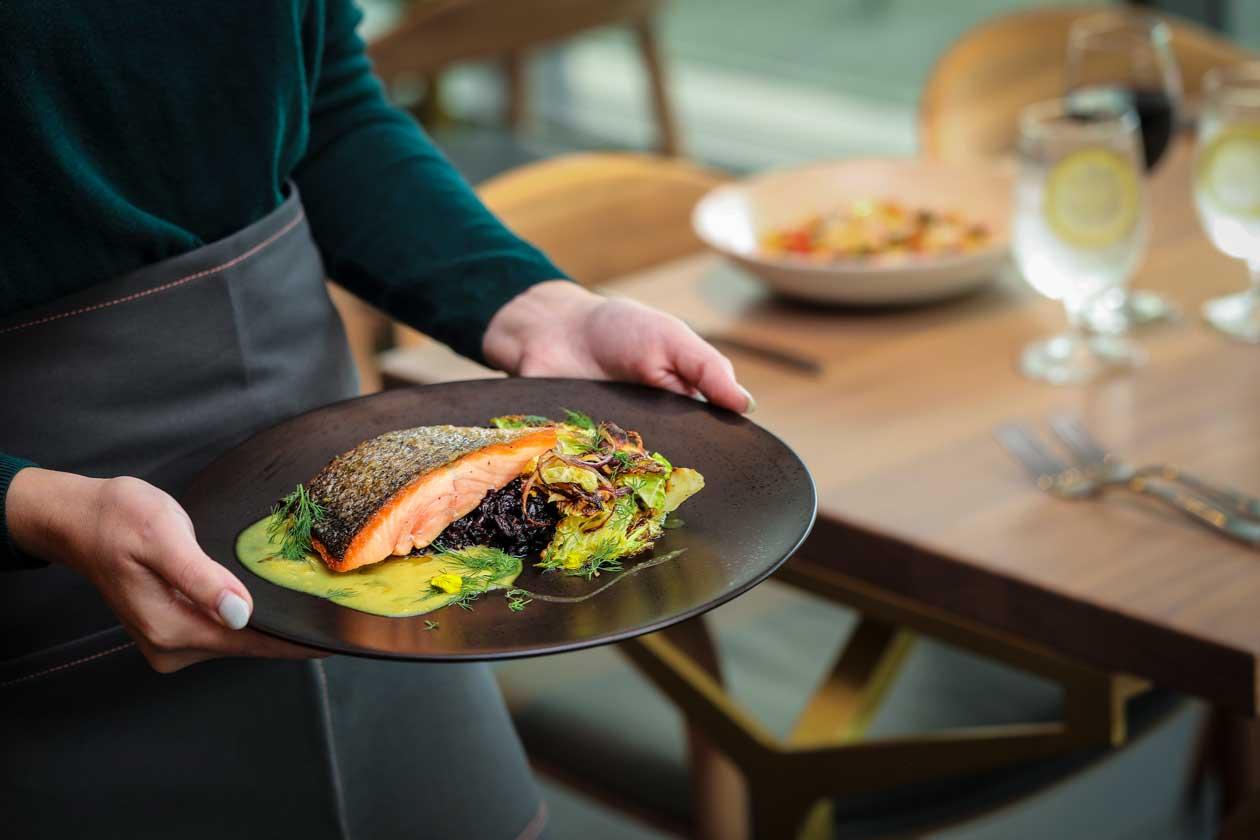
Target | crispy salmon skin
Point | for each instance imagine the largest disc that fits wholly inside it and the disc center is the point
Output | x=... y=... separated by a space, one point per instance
x=399 y=491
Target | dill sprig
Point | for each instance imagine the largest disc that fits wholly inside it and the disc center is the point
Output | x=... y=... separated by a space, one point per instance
x=481 y=560
x=517 y=599
x=292 y=519
x=603 y=559
x=465 y=599
x=480 y=566
x=583 y=437
x=431 y=625
x=577 y=418
x=624 y=460
x=597 y=565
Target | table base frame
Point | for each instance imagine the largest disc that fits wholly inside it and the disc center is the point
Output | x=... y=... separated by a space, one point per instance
x=789 y=780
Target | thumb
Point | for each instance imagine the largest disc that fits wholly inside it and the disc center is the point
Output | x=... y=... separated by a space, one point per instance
x=179 y=560
x=702 y=367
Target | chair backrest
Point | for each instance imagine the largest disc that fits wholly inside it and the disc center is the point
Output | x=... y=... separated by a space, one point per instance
x=977 y=88
x=436 y=33
x=599 y=216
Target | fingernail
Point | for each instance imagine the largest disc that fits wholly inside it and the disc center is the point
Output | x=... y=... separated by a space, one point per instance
x=233 y=610
x=752 y=404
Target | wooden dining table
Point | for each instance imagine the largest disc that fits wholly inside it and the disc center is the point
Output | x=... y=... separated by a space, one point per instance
x=920 y=505
x=926 y=525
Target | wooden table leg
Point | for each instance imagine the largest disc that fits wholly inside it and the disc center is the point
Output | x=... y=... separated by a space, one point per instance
x=719 y=798
x=667 y=142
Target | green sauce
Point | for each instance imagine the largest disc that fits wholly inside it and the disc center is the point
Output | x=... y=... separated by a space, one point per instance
x=398 y=587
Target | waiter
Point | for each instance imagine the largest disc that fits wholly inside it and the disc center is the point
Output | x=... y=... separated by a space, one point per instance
x=177 y=180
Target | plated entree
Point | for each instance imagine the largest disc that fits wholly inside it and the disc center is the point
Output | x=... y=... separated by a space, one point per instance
x=417 y=519
x=877 y=230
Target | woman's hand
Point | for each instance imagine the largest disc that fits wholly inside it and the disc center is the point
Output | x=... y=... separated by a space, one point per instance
x=560 y=329
x=136 y=545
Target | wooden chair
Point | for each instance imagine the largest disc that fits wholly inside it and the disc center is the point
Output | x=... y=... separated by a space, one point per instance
x=977 y=88
x=598 y=216
x=435 y=34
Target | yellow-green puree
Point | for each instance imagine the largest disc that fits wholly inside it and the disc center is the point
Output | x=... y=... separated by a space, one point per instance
x=398 y=587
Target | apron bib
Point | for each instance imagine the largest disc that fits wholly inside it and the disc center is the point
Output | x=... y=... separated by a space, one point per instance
x=153 y=375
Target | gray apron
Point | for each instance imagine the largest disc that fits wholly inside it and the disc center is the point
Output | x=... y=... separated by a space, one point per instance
x=153 y=375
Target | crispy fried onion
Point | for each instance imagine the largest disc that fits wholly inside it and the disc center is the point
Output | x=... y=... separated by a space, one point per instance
x=598 y=504
x=573 y=497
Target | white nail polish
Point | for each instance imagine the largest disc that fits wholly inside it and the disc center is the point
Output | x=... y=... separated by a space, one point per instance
x=233 y=610
x=752 y=403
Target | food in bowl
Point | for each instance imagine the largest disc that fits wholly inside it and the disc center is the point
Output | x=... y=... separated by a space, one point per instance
x=877 y=231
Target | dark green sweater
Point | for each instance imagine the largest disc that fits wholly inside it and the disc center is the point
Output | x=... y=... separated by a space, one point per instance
x=135 y=130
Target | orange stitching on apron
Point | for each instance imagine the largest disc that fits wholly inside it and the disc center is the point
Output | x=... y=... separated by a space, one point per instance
x=536 y=824
x=162 y=288
x=65 y=665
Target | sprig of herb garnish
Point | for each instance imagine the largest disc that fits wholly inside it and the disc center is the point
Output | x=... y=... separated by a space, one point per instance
x=603 y=559
x=577 y=418
x=517 y=599
x=464 y=599
x=431 y=625
x=582 y=437
x=292 y=519
x=481 y=560
x=479 y=567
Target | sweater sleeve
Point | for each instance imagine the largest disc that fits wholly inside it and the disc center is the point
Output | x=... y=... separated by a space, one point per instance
x=394 y=221
x=11 y=559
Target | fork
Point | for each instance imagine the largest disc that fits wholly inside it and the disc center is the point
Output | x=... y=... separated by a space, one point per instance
x=1064 y=481
x=1096 y=461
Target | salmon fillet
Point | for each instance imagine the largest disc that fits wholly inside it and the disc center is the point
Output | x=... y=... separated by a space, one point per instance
x=398 y=492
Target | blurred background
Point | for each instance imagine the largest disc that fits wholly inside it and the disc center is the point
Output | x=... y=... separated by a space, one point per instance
x=753 y=84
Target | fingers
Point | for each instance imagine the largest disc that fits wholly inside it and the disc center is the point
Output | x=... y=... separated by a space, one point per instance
x=698 y=365
x=169 y=548
x=671 y=381
x=137 y=546
x=245 y=643
x=172 y=632
x=190 y=571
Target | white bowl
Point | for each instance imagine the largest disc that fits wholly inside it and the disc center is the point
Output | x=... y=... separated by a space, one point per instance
x=732 y=218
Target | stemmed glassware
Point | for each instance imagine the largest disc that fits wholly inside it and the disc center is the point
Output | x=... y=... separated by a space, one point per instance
x=1126 y=56
x=1227 y=187
x=1080 y=227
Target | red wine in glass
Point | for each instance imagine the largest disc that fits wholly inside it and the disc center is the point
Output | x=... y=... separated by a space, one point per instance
x=1156 y=111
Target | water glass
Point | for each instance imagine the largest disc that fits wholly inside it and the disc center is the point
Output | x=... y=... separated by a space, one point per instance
x=1227 y=188
x=1080 y=228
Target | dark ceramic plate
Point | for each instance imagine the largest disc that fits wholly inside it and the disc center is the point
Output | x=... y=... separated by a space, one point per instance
x=757 y=506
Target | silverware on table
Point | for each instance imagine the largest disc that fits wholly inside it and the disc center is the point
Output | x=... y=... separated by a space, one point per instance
x=1097 y=461
x=773 y=355
x=1066 y=481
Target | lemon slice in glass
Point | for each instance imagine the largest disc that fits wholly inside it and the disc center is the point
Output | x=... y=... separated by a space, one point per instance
x=1229 y=171
x=1091 y=198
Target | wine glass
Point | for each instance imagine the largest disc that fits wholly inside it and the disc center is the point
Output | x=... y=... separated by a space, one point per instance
x=1227 y=187
x=1127 y=55
x=1080 y=227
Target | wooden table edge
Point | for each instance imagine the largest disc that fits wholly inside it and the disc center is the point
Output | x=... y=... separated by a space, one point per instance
x=1094 y=636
